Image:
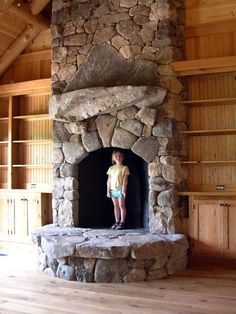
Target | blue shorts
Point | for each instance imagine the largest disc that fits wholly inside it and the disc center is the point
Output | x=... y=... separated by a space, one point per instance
x=117 y=193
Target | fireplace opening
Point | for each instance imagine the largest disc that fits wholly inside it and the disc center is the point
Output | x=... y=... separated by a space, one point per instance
x=95 y=209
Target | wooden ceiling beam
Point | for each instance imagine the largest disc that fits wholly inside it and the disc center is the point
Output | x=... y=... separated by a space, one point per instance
x=4 y=6
x=37 y=6
x=22 y=10
x=17 y=47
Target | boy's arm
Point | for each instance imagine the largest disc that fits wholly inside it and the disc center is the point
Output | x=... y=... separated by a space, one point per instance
x=109 y=187
x=124 y=186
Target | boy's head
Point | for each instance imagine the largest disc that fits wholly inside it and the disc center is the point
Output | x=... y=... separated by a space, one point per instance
x=117 y=157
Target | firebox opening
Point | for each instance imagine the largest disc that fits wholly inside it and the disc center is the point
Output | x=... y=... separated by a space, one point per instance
x=95 y=209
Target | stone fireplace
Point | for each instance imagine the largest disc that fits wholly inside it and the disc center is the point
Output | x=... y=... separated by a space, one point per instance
x=114 y=87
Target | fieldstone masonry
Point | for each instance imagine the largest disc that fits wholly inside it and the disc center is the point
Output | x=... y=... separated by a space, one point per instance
x=113 y=86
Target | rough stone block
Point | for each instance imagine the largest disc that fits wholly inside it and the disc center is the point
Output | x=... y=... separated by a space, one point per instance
x=68 y=170
x=110 y=270
x=66 y=272
x=74 y=152
x=123 y=139
x=91 y=141
x=147 y=148
x=132 y=126
x=105 y=125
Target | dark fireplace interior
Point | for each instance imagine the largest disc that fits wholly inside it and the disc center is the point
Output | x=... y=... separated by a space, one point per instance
x=95 y=209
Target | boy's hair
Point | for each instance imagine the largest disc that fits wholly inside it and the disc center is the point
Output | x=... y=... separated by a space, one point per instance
x=113 y=154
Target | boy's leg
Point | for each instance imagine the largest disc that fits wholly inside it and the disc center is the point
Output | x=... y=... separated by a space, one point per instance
x=116 y=208
x=121 y=202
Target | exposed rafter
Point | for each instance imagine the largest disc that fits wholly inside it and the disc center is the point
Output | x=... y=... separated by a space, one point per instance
x=4 y=6
x=22 y=10
x=17 y=47
x=38 y=5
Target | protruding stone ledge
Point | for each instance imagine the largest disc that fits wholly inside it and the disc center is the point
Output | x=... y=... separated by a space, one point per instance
x=113 y=255
x=89 y=102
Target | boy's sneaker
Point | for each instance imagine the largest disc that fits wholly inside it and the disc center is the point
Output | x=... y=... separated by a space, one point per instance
x=116 y=224
x=120 y=226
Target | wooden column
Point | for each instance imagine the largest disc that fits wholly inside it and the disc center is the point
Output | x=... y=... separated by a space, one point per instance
x=4 y=6
x=37 y=6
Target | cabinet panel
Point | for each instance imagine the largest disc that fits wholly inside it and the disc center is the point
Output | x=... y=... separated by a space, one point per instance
x=4 y=215
x=231 y=228
x=208 y=228
x=21 y=216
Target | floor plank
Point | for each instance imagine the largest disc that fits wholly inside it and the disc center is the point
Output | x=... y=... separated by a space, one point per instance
x=23 y=289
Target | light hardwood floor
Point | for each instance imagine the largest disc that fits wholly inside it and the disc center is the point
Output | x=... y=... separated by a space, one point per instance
x=24 y=290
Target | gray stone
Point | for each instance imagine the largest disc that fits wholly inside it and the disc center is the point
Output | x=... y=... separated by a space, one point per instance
x=170 y=146
x=103 y=248
x=157 y=221
x=111 y=19
x=135 y=263
x=66 y=72
x=147 y=116
x=139 y=9
x=168 y=198
x=68 y=213
x=104 y=233
x=123 y=139
x=58 y=188
x=127 y=29
x=58 y=156
x=86 y=103
x=132 y=126
x=71 y=184
x=156 y=274
x=119 y=41
x=159 y=262
x=171 y=83
x=91 y=141
x=116 y=70
x=76 y=262
x=173 y=108
x=71 y=195
x=152 y=197
x=105 y=125
x=62 y=260
x=165 y=128
x=165 y=70
x=127 y=113
x=68 y=170
x=140 y=19
x=130 y=51
x=147 y=131
x=49 y=272
x=59 y=132
x=53 y=264
x=158 y=184
x=54 y=248
x=91 y=25
x=128 y=3
x=74 y=152
x=154 y=169
x=89 y=263
x=42 y=259
x=147 y=35
x=59 y=54
x=78 y=127
x=173 y=173
x=147 y=246
x=147 y=148
x=135 y=275
x=103 y=35
x=110 y=270
x=66 y=272
x=76 y=40
x=84 y=275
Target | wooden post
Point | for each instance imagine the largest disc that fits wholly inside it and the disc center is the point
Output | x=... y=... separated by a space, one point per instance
x=4 y=5
x=17 y=47
x=37 y=6
x=9 y=155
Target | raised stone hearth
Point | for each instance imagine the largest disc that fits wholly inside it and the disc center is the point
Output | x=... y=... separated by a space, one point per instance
x=103 y=255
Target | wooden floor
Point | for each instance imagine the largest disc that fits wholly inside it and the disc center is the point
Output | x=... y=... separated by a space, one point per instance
x=24 y=290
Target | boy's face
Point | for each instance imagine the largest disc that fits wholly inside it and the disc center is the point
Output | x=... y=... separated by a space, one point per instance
x=118 y=158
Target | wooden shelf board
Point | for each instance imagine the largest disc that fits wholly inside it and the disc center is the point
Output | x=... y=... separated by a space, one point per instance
x=27 y=87
x=200 y=162
x=205 y=66
x=3 y=166
x=32 y=141
x=3 y=142
x=33 y=117
x=215 y=193
x=210 y=132
x=4 y=119
x=32 y=166
x=211 y=102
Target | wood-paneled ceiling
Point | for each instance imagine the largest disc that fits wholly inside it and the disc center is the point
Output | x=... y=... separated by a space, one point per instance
x=22 y=22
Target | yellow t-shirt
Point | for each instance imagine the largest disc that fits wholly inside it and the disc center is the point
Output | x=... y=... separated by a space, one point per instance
x=117 y=174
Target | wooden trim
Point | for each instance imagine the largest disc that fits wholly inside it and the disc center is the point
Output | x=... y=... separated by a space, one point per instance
x=205 y=66
x=31 y=56
x=209 y=132
x=217 y=193
x=9 y=157
x=38 y=5
x=28 y=87
x=4 y=6
x=210 y=28
x=32 y=141
x=209 y=102
x=34 y=117
x=208 y=162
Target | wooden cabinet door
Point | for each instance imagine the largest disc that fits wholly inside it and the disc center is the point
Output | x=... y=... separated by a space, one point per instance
x=4 y=215
x=21 y=217
x=230 y=227
x=207 y=227
x=34 y=212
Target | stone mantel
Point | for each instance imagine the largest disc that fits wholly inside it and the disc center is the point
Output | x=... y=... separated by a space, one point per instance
x=85 y=103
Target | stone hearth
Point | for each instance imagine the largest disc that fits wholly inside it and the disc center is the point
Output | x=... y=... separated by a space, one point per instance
x=101 y=255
